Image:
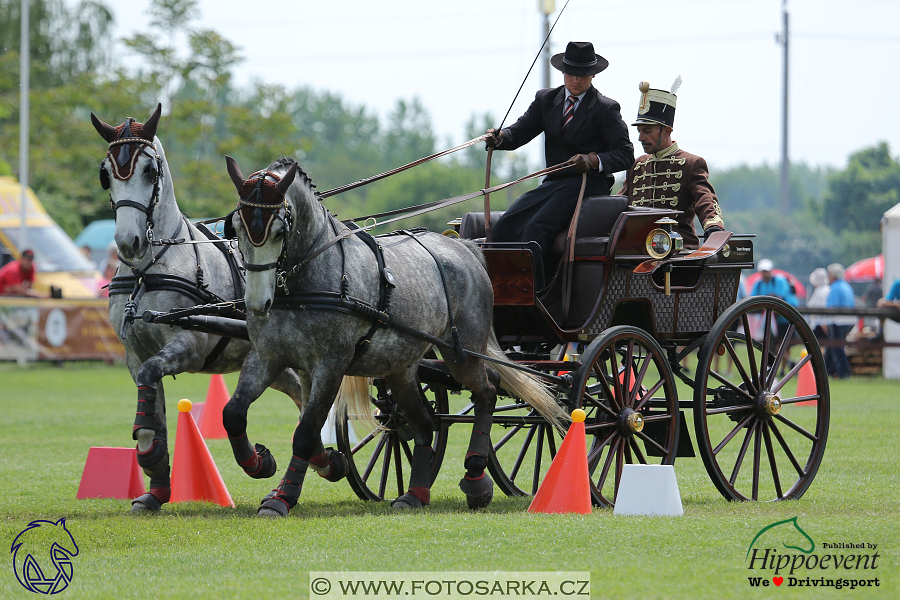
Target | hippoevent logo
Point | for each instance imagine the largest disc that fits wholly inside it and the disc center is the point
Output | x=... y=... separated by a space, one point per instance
x=42 y=556
x=782 y=553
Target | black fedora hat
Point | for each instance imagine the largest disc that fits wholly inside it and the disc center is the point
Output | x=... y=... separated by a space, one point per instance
x=579 y=59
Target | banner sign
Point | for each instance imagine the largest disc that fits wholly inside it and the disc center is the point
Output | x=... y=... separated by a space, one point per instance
x=50 y=329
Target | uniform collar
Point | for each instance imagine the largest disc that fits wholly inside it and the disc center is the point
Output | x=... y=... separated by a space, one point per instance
x=667 y=152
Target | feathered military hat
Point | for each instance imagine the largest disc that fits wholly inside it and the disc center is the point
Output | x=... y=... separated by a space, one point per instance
x=657 y=107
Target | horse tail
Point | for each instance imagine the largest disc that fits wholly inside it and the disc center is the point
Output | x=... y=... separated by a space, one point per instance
x=528 y=387
x=353 y=400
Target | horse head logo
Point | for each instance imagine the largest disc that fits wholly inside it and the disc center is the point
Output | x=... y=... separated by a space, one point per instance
x=786 y=531
x=30 y=549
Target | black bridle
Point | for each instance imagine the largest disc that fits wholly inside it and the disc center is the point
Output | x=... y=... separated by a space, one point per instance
x=282 y=212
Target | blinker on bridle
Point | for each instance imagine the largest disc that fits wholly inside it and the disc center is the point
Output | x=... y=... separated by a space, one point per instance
x=259 y=226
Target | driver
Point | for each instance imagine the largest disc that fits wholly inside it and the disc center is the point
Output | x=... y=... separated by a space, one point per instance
x=575 y=119
x=667 y=176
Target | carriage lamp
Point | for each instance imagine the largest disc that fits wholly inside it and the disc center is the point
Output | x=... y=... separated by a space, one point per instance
x=662 y=242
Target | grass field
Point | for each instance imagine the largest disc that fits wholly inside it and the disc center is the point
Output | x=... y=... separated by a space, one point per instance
x=51 y=416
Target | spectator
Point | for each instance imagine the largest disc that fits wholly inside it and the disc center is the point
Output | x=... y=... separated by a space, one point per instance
x=770 y=284
x=819 y=298
x=892 y=300
x=86 y=251
x=112 y=256
x=839 y=296
x=105 y=278
x=17 y=277
x=872 y=294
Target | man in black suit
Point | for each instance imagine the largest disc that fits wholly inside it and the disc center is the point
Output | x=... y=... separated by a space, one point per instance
x=578 y=122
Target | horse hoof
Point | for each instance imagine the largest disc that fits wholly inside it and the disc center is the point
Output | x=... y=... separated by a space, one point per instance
x=272 y=507
x=407 y=501
x=340 y=466
x=479 y=492
x=266 y=465
x=146 y=504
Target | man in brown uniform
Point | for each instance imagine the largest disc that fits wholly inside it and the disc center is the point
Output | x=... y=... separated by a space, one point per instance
x=667 y=176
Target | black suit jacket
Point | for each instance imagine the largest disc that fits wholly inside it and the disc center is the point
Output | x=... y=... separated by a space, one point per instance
x=596 y=127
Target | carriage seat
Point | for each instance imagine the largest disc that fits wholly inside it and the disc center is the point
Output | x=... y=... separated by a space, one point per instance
x=595 y=222
x=471 y=226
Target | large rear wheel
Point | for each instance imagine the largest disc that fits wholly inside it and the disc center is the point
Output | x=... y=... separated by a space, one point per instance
x=762 y=424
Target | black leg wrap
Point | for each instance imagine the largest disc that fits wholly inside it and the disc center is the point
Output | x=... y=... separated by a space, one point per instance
x=155 y=463
x=479 y=491
x=288 y=491
x=475 y=465
x=330 y=465
x=256 y=460
x=145 y=414
x=420 y=467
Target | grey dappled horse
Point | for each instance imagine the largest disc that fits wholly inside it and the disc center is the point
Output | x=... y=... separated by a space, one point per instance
x=137 y=176
x=331 y=304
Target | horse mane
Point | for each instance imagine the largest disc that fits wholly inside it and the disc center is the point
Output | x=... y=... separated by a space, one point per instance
x=286 y=161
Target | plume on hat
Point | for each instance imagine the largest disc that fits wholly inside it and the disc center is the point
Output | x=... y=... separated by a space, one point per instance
x=675 y=85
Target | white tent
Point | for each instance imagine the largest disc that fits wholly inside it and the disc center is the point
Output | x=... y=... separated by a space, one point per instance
x=890 y=240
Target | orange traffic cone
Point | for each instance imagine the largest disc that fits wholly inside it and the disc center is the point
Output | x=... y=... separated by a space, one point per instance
x=806 y=382
x=217 y=396
x=566 y=487
x=111 y=473
x=194 y=473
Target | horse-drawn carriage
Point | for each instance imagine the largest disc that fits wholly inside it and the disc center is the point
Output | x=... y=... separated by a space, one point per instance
x=628 y=317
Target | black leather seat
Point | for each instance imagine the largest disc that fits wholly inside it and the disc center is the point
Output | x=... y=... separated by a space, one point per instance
x=471 y=226
x=596 y=220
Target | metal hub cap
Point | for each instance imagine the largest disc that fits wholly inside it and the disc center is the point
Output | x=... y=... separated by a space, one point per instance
x=634 y=422
x=770 y=404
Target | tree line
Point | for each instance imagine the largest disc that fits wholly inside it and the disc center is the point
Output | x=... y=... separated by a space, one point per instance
x=835 y=213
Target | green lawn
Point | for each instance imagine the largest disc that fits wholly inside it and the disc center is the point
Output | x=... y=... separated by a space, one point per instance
x=51 y=416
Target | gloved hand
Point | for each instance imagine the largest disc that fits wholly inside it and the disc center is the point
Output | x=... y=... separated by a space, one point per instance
x=585 y=162
x=711 y=230
x=495 y=136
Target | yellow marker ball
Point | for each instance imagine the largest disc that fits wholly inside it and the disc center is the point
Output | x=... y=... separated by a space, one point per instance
x=644 y=86
x=578 y=416
x=184 y=405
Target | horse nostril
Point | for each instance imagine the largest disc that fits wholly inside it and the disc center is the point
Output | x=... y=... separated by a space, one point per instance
x=268 y=305
x=136 y=244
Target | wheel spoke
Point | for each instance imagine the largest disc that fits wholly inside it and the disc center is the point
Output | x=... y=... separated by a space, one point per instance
x=374 y=458
x=538 y=451
x=613 y=450
x=620 y=459
x=617 y=400
x=772 y=465
x=780 y=356
x=521 y=457
x=756 y=458
x=740 y=366
x=732 y=433
x=596 y=426
x=728 y=409
x=551 y=443
x=507 y=437
x=796 y=427
x=764 y=359
x=600 y=405
x=627 y=372
x=597 y=452
x=364 y=441
x=398 y=465
x=639 y=380
x=637 y=451
x=649 y=440
x=385 y=468
x=406 y=451
x=740 y=457
x=786 y=449
x=649 y=394
x=791 y=373
x=729 y=384
x=751 y=357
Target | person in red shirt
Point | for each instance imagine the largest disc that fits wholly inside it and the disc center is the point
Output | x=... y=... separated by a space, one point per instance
x=17 y=277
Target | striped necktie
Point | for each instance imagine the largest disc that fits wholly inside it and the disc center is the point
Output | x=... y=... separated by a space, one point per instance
x=569 y=112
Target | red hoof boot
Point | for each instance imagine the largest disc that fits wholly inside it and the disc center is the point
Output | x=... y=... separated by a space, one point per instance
x=479 y=491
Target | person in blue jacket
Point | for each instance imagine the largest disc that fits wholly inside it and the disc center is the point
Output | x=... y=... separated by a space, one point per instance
x=840 y=296
x=771 y=284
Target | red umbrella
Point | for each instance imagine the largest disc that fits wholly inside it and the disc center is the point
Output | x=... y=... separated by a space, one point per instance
x=798 y=285
x=866 y=270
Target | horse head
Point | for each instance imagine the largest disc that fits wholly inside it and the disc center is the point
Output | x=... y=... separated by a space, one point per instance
x=262 y=223
x=133 y=173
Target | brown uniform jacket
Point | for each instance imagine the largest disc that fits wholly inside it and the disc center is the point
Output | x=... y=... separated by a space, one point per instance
x=675 y=179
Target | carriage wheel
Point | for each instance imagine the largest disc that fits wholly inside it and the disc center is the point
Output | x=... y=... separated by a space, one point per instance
x=380 y=459
x=642 y=428
x=626 y=387
x=760 y=439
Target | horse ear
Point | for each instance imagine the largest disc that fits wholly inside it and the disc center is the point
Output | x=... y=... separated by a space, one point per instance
x=106 y=131
x=152 y=123
x=235 y=171
x=286 y=181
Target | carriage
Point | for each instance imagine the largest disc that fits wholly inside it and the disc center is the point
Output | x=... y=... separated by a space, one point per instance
x=639 y=311
x=629 y=317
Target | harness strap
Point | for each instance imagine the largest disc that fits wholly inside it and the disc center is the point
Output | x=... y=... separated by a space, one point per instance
x=458 y=349
x=569 y=257
x=384 y=290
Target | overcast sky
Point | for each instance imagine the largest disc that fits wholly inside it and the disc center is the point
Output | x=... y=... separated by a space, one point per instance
x=470 y=56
